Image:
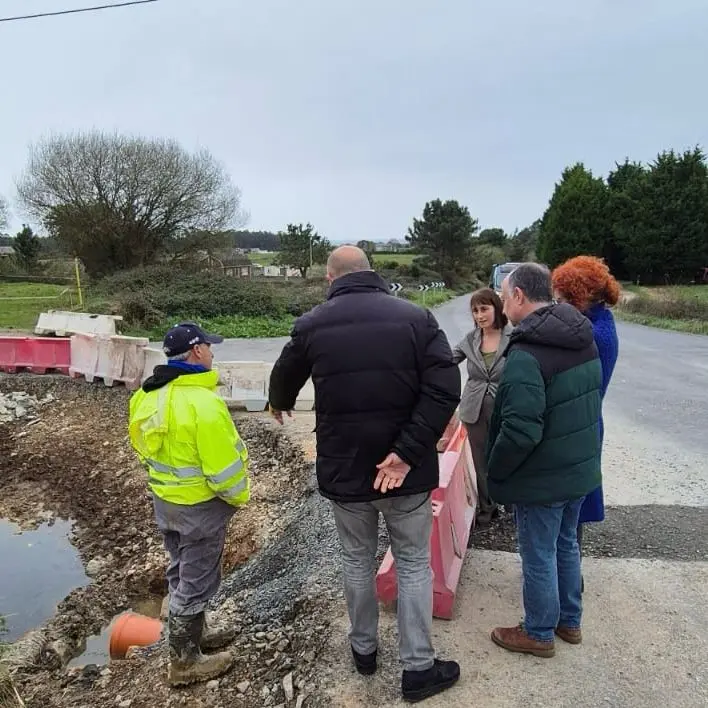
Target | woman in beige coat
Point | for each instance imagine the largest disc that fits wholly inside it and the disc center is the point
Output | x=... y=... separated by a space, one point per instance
x=484 y=349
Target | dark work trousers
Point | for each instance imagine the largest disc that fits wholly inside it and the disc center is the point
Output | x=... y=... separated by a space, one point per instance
x=477 y=434
x=194 y=538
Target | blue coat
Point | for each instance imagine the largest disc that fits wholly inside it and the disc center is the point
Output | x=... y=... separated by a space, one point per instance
x=605 y=334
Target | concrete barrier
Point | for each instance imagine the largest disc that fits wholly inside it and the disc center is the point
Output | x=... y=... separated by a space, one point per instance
x=34 y=354
x=113 y=359
x=64 y=323
x=453 y=516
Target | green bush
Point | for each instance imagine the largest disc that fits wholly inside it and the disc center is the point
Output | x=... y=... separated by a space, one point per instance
x=669 y=305
x=146 y=296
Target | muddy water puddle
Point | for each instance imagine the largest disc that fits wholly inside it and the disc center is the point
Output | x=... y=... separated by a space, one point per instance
x=40 y=568
x=96 y=650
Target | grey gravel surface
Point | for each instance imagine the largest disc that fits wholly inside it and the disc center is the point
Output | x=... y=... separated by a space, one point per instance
x=653 y=532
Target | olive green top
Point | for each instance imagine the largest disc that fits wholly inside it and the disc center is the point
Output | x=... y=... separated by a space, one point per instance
x=488 y=358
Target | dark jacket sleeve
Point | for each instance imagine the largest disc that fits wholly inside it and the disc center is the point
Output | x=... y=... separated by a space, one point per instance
x=439 y=396
x=289 y=374
x=520 y=408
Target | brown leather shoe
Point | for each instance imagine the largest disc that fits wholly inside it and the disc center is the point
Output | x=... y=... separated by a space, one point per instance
x=516 y=639
x=567 y=634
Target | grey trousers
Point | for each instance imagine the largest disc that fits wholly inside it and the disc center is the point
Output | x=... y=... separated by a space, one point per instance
x=477 y=434
x=409 y=521
x=194 y=538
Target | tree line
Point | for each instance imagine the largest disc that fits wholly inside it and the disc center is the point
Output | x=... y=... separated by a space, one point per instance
x=649 y=222
x=119 y=202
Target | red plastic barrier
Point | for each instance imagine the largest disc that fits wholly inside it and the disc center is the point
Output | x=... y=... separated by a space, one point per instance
x=34 y=354
x=454 y=503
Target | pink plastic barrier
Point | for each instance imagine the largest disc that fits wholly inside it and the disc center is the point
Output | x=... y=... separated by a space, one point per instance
x=34 y=354
x=454 y=503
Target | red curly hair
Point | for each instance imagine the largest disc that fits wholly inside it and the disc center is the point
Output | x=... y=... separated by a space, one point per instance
x=585 y=280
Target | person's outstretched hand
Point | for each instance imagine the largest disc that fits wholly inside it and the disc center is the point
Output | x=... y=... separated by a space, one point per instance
x=392 y=473
x=278 y=415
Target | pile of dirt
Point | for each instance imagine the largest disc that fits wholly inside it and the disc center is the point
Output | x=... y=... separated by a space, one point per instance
x=75 y=462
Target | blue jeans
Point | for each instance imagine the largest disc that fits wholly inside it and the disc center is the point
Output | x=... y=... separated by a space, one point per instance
x=550 y=561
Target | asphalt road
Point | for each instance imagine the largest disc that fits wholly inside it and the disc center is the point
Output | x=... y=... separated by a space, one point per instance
x=656 y=409
x=660 y=384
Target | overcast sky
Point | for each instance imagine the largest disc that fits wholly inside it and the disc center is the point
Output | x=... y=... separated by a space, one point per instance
x=352 y=114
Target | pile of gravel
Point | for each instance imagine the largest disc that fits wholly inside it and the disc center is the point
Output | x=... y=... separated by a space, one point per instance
x=17 y=405
x=301 y=562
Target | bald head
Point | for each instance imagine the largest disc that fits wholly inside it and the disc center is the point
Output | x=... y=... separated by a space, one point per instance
x=345 y=260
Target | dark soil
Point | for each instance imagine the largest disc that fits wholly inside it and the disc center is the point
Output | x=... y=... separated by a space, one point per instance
x=75 y=462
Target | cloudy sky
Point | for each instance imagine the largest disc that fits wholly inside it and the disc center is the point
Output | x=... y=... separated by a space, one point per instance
x=352 y=114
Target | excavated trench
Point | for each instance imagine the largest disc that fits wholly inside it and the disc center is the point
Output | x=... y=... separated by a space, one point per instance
x=89 y=551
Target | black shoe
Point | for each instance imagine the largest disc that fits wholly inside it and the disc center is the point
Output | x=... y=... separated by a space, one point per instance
x=419 y=685
x=365 y=663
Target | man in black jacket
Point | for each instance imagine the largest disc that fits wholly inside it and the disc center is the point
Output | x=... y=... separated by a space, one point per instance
x=385 y=388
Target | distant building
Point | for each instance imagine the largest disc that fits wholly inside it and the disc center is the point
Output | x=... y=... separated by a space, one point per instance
x=392 y=246
x=6 y=251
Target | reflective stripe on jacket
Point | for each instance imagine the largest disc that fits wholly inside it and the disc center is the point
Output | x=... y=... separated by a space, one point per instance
x=184 y=435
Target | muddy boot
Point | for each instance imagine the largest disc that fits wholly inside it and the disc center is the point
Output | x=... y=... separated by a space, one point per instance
x=215 y=635
x=187 y=663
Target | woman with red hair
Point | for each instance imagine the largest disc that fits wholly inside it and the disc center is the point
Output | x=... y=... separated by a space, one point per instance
x=586 y=283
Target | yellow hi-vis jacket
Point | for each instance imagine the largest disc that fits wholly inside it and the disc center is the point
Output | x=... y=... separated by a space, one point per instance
x=184 y=435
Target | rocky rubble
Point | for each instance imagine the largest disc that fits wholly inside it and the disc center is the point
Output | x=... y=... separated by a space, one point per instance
x=18 y=405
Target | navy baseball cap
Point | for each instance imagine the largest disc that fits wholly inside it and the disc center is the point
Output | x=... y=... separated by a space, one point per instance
x=182 y=337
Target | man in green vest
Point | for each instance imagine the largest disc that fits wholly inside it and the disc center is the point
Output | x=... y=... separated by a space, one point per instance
x=197 y=468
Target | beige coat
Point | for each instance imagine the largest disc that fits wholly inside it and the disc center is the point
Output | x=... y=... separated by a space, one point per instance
x=480 y=381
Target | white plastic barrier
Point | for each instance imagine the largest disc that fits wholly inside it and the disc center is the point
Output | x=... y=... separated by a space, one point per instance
x=245 y=384
x=306 y=399
x=109 y=358
x=153 y=357
x=62 y=323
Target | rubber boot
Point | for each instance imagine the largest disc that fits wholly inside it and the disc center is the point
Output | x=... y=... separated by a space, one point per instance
x=187 y=663
x=215 y=636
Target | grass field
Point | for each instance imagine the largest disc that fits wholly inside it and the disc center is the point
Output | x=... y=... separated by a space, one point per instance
x=432 y=298
x=236 y=326
x=262 y=259
x=682 y=308
x=400 y=258
x=21 y=303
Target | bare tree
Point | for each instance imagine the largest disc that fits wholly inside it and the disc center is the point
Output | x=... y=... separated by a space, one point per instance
x=4 y=218
x=120 y=201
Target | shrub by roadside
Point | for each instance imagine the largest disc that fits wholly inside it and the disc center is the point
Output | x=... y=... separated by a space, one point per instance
x=151 y=299
x=683 y=309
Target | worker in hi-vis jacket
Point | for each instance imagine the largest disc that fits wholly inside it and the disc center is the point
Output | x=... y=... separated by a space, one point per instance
x=197 y=468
